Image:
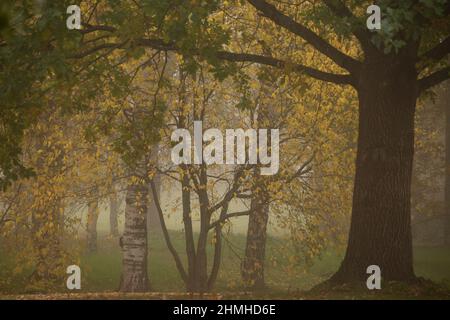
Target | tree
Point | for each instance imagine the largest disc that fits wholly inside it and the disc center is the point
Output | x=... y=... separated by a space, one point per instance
x=41 y=220
x=91 y=226
x=447 y=166
x=113 y=213
x=205 y=191
x=389 y=69
x=134 y=276
x=316 y=147
x=394 y=68
x=153 y=222
x=254 y=260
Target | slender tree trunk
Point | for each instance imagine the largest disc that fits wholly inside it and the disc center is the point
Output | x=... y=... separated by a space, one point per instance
x=48 y=248
x=91 y=228
x=113 y=214
x=447 y=164
x=188 y=231
x=201 y=259
x=380 y=232
x=217 y=249
x=252 y=269
x=153 y=222
x=134 y=241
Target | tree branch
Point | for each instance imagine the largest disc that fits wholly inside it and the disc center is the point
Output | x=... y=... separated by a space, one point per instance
x=159 y=44
x=230 y=193
x=438 y=52
x=217 y=250
x=272 y=13
x=269 y=61
x=434 y=79
x=304 y=168
x=228 y=216
x=341 y=11
x=88 y=28
x=93 y=50
x=298 y=68
x=166 y=234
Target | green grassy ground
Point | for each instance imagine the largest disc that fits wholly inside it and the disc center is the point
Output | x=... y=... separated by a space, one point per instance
x=101 y=271
x=103 y=268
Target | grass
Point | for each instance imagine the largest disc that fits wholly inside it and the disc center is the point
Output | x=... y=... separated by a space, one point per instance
x=431 y=263
x=101 y=271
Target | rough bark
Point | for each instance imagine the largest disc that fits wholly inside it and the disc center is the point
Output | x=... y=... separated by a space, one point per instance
x=447 y=166
x=380 y=232
x=252 y=269
x=91 y=227
x=134 y=240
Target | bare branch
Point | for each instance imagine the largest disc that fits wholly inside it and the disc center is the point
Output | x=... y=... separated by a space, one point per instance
x=111 y=46
x=228 y=216
x=166 y=233
x=230 y=193
x=304 y=168
x=88 y=28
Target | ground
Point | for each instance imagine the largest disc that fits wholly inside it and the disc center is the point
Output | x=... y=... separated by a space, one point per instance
x=286 y=278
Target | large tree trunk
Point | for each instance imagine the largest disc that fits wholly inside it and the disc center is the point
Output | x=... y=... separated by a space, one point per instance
x=447 y=164
x=134 y=241
x=113 y=214
x=91 y=227
x=380 y=232
x=252 y=268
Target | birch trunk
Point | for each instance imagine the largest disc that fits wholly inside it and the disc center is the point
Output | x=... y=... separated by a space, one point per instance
x=134 y=241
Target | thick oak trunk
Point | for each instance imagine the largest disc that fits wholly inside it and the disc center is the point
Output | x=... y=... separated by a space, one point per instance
x=447 y=165
x=91 y=227
x=252 y=269
x=380 y=232
x=134 y=240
